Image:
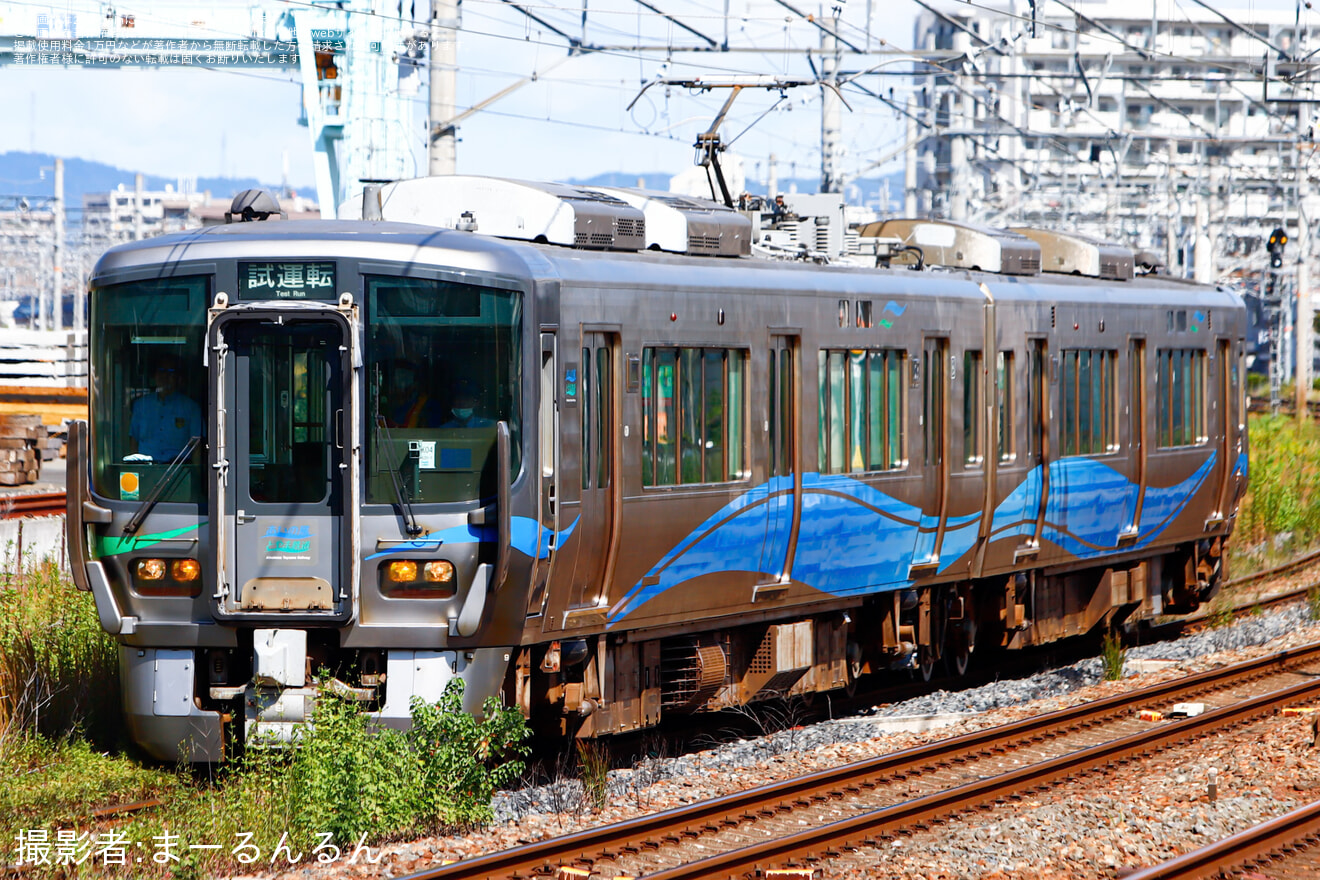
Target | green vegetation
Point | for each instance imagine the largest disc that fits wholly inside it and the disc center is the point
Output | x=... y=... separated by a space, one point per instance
x=63 y=755
x=1112 y=657
x=1280 y=513
x=593 y=771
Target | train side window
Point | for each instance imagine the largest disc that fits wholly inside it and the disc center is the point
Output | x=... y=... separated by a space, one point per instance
x=693 y=427
x=845 y=310
x=587 y=412
x=864 y=313
x=860 y=411
x=973 y=454
x=1086 y=395
x=1004 y=405
x=648 y=420
x=1180 y=397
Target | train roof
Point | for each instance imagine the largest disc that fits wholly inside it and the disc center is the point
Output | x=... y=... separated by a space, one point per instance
x=480 y=254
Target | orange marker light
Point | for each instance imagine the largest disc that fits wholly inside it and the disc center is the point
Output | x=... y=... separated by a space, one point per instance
x=402 y=571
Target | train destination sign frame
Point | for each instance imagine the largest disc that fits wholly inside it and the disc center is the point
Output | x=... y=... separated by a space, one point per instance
x=286 y=280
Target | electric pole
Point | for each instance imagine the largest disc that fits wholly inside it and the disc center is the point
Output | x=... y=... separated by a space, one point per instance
x=58 y=255
x=442 y=153
x=831 y=174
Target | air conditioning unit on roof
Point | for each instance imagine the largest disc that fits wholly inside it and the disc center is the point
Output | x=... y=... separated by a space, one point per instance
x=962 y=245
x=556 y=213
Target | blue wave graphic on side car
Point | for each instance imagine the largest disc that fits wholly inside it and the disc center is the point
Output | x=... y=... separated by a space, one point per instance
x=855 y=539
x=528 y=537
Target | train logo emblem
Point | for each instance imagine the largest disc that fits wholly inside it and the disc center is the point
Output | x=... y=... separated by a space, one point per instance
x=287 y=542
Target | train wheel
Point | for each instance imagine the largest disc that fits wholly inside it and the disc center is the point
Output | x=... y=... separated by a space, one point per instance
x=854 y=673
x=926 y=662
x=961 y=643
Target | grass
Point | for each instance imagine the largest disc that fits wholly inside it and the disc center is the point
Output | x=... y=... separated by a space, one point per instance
x=63 y=753
x=1280 y=513
x=593 y=771
x=1112 y=657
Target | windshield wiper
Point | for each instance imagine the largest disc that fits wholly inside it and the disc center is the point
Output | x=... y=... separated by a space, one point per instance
x=396 y=479
x=171 y=472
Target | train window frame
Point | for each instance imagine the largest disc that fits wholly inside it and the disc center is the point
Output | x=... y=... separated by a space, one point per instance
x=851 y=435
x=401 y=310
x=127 y=341
x=1088 y=402
x=1005 y=410
x=973 y=432
x=696 y=374
x=1187 y=427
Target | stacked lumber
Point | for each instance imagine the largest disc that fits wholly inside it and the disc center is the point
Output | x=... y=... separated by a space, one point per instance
x=24 y=442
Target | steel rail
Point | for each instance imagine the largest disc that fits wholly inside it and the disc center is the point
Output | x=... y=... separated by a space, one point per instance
x=32 y=504
x=871 y=827
x=1269 y=841
x=731 y=809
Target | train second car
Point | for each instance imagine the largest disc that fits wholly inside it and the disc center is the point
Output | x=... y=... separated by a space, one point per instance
x=612 y=482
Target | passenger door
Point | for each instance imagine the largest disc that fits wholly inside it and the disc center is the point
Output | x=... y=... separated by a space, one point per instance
x=935 y=443
x=1137 y=427
x=1038 y=443
x=282 y=472
x=598 y=451
x=782 y=485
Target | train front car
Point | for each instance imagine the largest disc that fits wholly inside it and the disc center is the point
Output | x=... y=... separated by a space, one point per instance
x=301 y=472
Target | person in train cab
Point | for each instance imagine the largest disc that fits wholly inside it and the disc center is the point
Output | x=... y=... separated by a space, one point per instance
x=410 y=405
x=162 y=422
x=464 y=410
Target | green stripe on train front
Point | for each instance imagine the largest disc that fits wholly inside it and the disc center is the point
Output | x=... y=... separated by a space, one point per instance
x=114 y=546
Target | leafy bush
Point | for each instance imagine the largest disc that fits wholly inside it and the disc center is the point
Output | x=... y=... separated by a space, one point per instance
x=350 y=779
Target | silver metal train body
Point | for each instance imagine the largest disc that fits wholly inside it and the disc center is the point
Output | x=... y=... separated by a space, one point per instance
x=613 y=485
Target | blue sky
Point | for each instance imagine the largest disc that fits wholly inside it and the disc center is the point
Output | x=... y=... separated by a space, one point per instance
x=571 y=123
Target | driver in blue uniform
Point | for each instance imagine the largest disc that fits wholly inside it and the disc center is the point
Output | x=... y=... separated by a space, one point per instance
x=163 y=421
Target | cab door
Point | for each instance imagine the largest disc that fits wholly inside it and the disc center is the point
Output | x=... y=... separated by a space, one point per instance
x=282 y=472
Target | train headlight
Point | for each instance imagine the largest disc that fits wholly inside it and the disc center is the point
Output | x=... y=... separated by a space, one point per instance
x=441 y=572
x=418 y=579
x=167 y=577
x=402 y=571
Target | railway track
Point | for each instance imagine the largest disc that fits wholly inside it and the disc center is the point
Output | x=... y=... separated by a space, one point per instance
x=32 y=504
x=798 y=821
x=1286 y=848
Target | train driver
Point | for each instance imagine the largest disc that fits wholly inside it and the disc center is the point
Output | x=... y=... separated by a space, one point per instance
x=464 y=409
x=162 y=422
x=410 y=405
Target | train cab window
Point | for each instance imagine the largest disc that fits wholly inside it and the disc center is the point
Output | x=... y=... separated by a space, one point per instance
x=860 y=413
x=694 y=416
x=444 y=366
x=1180 y=397
x=1004 y=405
x=1086 y=396
x=149 y=391
x=973 y=453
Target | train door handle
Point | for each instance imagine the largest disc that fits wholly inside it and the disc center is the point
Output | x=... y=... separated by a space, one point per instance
x=245 y=517
x=339 y=429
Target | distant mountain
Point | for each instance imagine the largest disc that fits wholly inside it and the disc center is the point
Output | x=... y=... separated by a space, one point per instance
x=21 y=175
